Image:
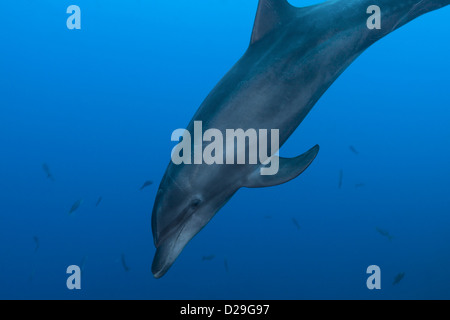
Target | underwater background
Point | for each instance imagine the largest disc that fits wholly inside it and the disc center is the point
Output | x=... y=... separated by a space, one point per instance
x=89 y=113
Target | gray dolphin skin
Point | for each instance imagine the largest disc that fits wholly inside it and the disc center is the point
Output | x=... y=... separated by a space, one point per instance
x=294 y=56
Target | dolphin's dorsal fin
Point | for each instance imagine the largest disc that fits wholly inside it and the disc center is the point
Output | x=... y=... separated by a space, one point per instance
x=271 y=14
x=288 y=170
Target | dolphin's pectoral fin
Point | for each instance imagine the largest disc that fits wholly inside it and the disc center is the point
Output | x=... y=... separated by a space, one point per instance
x=288 y=170
x=271 y=14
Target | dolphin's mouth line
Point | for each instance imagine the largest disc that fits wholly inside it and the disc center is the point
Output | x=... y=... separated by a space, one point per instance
x=168 y=231
x=166 y=263
x=162 y=269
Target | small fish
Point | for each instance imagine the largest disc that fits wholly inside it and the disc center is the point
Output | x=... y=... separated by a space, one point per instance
x=36 y=240
x=352 y=149
x=208 y=258
x=46 y=169
x=341 y=178
x=296 y=224
x=359 y=185
x=124 y=264
x=75 y=206
x=384 y=233
x=98 y=201
x=398 y=278
x=146 y=184
x=225 y=264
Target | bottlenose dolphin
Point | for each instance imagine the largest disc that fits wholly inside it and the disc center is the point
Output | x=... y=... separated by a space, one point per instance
x=295 y=54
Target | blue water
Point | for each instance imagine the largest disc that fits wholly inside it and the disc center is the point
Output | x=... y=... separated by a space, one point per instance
x=98 y=106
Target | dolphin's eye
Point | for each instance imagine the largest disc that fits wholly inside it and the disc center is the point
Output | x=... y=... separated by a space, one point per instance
x=195 y=203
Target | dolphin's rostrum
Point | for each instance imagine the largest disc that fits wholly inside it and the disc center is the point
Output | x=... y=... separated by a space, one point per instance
x=294 y=56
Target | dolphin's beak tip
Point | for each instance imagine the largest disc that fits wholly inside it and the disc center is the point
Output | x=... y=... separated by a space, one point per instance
x=157 y=274
x=158 y=270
